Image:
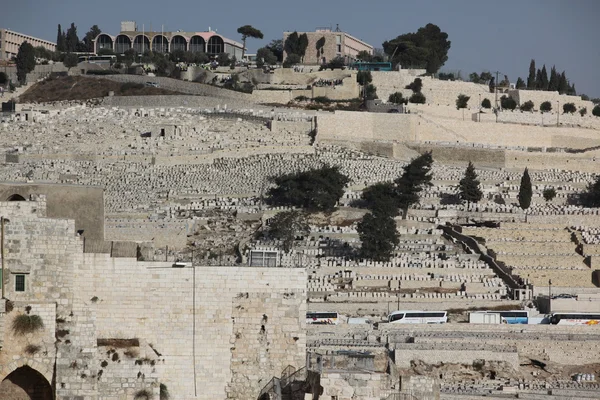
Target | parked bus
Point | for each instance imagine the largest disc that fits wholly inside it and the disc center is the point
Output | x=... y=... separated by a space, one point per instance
x=418 y=317
x=322 y=318
x=575 y=319
x=371 y=66
x=106 y=59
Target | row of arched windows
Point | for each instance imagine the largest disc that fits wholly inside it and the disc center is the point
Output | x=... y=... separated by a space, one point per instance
x=161 y=44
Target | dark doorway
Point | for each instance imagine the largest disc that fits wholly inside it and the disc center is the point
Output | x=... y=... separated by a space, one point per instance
x=25 y=383
x=16 y=197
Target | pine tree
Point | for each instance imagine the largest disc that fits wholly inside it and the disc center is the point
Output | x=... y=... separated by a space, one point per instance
x=469 y=188
x=538 y=80
x=415 y=177
x=378 y=235
x=520 y=83
x=72 y=40
x=544 y=78
x=531 y=77
x=563 y=84
x=553 y=83
x=25 y=61
x=525 y=191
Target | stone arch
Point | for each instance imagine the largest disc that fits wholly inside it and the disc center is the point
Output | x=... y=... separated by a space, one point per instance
x=160 y=44
x=197 y=44
x=16 y=197
x=26 y=383
x=141 y=44
x=104 y=41
x=122 y=44
x=178 y=42
x=215 y=45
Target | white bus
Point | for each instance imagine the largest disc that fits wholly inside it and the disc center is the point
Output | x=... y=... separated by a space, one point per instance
x=575 y=319
x=418 y=317
x=322 y=318
x=106 y=59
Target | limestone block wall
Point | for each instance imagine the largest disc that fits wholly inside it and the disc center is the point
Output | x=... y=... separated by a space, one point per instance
x=357 y=126
x=353 y=385
x=538 y=97
x=159 y=304
x=454 y=353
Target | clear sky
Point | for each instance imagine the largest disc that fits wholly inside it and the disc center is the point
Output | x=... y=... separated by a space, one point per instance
x=485 y=35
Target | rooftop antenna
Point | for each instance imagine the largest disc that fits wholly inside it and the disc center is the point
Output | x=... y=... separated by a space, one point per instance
x=337 y=27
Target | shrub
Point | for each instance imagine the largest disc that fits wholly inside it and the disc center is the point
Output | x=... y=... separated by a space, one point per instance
x=546 y=106
x=569 y=108
x=290 y=60
x=301 y=98
x=3 y=78
x=527 y=106
x=364 y=77
x=462 y=101
x=101 y=72
x=416 y=85
x=143 y=394
x=508 y=103
x=322 y=100
x=417 y=98
x=549 y=194
x=486 y=103
x=397 y=98
x=583 y=111
x=164 y=392
x=371 y=92
x=596 y=111
x=23 y=324
x=32 y=349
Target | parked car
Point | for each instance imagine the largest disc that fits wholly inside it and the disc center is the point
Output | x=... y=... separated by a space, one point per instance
x=152 y=84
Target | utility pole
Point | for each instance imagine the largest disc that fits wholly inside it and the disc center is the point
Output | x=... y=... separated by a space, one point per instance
x=557 y=112
x=496 y=94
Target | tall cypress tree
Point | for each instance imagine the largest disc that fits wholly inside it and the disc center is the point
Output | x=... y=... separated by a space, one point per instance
x=544 y=78
x=60 y=39
x=469 y=188
x=538 y=80
x=72 y=39
x=531 y=77
x=553 y=82
x=563 y=84
x=525 y=191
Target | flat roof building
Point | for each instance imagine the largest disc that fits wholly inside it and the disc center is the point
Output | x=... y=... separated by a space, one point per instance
x=131 y=37
x=10 y=42
x=324 y=45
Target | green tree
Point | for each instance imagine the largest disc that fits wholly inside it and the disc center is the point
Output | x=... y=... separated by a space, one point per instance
x=417 y=98
x=546 y=106
x=315 y=190
x=371 y=92
x=415 y=176
x=61 y=40
x=527 y=106
x=89 y=37
x=538 y=80
x=520 y=83
x=380 y=199
x=583 y=111
x=427 y=48
x=71 y=60
x=508 y=103
x=397 y=98
x=549 y=194
x=525 y=191
x=485 y=77
x=462 y=101
x=71 y=39
x=291 y=43
x=364 y=55
x=276 y=46
x=378 y=236
x=415 y=85
x=223 y=59
x=291 y=59
x=302 y=45
x=591 y=196
x=364 y=77
x=286 y=225
x=469 y=188
x=553 y=82
x=474 y=77
x=264 y=56
x=544 y=78
x=25 y=61
x=248 y=31
x=531 y=81
x=320 y=46
x=3 y=78
x=569 y=108
x=596 y=111
x=563 y=83
x=486 y=103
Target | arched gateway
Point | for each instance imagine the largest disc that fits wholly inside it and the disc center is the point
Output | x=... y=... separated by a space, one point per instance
x=25 y=383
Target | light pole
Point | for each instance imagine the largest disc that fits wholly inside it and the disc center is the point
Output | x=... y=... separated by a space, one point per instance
x=557 y=112
x=549 y=296
x=479 y=114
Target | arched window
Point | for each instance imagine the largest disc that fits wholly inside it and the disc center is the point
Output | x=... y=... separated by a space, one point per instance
x=141 y=44
x=122 y=44
x=160 y=44
x=197 y=44
x=178 y=42
x=103 y=41
x=215 y=45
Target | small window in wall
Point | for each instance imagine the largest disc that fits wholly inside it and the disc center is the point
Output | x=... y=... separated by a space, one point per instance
x=19 y=283
x=339 y=48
